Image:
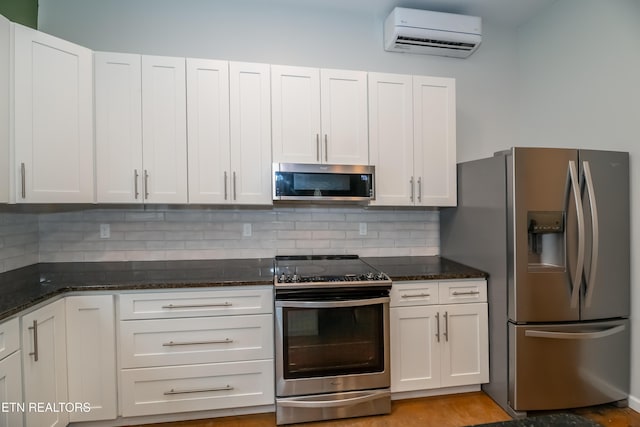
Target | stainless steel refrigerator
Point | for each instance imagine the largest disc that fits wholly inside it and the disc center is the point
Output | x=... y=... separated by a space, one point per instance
x=551 y=227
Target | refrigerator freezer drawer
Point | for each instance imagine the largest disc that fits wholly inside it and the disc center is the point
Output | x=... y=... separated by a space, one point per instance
x=568 y=365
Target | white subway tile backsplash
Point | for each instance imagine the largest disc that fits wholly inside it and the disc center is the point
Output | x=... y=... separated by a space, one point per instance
x=160 y=233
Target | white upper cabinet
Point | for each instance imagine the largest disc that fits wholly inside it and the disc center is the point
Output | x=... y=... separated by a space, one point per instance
x=412 y=122
x=53 y=119
x=434 y=124
x=118 y=116
x=250 y=132
x=5 y=40
x=164 y=129
x=141 y=128
x=208 y=130
x=319 y=116
x=391 y=137
x=229 y=132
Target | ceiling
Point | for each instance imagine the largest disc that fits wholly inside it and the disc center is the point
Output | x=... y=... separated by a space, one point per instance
x=511 y=13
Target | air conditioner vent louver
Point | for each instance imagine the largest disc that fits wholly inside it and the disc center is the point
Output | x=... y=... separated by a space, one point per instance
x=432 y=33
x=415 y=41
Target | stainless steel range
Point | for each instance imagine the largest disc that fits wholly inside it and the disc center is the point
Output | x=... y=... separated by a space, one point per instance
x=332 y=338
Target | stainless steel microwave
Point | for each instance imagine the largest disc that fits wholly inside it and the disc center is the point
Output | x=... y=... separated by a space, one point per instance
x=320 y=182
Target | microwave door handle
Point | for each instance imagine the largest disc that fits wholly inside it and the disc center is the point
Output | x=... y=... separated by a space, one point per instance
x=595 y=236
x=573 y=186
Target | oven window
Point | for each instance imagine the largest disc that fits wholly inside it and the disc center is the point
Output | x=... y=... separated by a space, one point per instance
x=333 y=341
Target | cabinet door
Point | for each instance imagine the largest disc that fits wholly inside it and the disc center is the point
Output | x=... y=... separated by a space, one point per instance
x=345 y=133
x=44 y=358
x=11 y=389
x=53 y=105
x=465 y=349
x=250 y=119
x=164 y=129
x=434 y=111
x=296 y=114
x=415 y=348
x=118 y=115
x=91 y=356
x=391 y=137
x=208 y=130
x=5 y=64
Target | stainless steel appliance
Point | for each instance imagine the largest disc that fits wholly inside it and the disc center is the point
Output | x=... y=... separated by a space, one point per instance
x=551 y=227
x=332 y=338
x=322 y=182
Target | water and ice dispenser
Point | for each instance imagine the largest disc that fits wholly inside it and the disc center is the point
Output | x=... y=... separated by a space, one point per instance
x=546 y=240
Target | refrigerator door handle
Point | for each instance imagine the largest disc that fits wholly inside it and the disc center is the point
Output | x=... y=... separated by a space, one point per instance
x=595 y=233
x=575 y=335
x=573 y=185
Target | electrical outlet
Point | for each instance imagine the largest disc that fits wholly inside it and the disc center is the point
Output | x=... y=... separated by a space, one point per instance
x=363 y=228
x=105 y=231
x=246 y=230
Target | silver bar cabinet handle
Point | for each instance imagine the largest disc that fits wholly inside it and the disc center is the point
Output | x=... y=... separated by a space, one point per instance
x=457 y=294
x=146 y=184
x=23 y=175
x=224 y=304
x=438 y=326
x=318 y=147
x=235 y=187
x=595 y=233
x=226 y=194
x=415 y=295
x=446 y=326
x=136 y=175
x=412 y=182
x=419 y=189
x=326 y=148
x=197 y=390
x=174 y=344
x=34 y=353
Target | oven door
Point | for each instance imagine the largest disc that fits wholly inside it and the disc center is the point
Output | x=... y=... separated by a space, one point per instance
x=333 y=345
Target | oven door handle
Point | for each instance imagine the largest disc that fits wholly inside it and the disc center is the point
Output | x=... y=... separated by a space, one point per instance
x=332 y=403
x=331 y=304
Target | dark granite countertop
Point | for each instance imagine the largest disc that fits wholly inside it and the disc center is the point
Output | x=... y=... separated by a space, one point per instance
x=25 y=287
x=424 y=268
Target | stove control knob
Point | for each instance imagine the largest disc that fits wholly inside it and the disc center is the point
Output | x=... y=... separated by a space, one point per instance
x=295 y=278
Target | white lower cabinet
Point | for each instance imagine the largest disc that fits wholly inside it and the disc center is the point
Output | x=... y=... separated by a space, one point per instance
x=171 y=389
x=193 y=351
x=435 y=345
x=44 y=358
x=10 y=374
x=91 y=356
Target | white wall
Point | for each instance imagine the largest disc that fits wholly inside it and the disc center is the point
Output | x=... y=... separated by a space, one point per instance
x=578 y=86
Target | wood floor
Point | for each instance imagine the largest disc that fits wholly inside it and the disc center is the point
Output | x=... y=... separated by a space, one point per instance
x=440 y=411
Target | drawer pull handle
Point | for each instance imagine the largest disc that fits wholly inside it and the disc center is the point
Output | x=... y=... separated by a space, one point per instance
x=224 y=304
x=172 y=343
x=415 y=295
x=456 y=293
x=197 y=390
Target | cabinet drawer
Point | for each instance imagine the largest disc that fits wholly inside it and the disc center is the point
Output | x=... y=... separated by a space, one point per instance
x=151 y=391
x=414 y=293
x=158 y=305
x=9 y=337
x=463 y=292
x=162 y=342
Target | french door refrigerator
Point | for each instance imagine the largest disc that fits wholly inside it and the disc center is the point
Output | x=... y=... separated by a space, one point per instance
x=551 y=227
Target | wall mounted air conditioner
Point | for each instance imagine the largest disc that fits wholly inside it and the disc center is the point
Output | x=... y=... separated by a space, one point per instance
x=432 y=33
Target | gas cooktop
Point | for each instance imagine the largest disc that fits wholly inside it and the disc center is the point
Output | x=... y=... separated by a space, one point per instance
x=326 y=271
